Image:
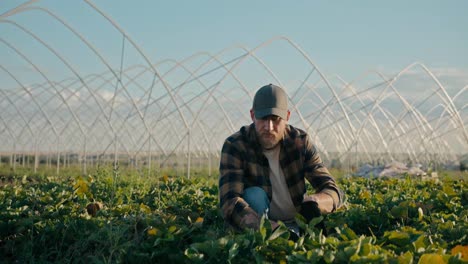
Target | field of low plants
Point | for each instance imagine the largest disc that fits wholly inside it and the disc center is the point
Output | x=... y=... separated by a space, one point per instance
x=114 y=215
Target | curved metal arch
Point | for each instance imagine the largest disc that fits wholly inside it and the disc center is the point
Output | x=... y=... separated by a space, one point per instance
x=445 y=107
x=419 y=116
x=211 y=58
x=380 y=99
x=91 y=48
x=420 y=122
x=116 y=26
x=49 y=47
x=318 y=141
x=29 y=61
x=34 y=101
x=373 y=122
x=326 y=108
x=229 y=72
x=306 y=56
x=251 y=53
x=192 y=74
x=203 y=85
x=14 y=141
x=96 y=94
x=10 y=117
x=7 y=128
x=444 y=93
x=188 y=134
x=455 y=128
x=95 y=77
x=179 y=64
x=339 y=133
x=17 y=9
x=322 y=114
x=18 y=111
x=32 y=97
x=433 y=135
x=119 y=140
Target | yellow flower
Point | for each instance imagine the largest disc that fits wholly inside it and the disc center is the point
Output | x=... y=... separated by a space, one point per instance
x=461 y=249
x=152 y=231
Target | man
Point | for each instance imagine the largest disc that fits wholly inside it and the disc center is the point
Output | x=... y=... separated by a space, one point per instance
x=264 y=166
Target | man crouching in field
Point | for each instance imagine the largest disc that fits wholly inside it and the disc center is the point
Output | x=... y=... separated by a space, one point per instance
x=264 y=166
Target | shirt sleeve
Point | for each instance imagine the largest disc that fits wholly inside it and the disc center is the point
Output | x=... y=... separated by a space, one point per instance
x=319 y=176
x=231 y=188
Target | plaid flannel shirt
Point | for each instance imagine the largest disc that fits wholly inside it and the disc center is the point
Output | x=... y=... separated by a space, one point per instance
x=244 y=165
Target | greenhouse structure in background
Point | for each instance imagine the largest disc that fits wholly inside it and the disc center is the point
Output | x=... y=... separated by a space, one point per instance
x=115 y=105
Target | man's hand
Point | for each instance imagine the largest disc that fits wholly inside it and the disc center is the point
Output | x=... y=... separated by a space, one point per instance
x=324 y=201
x=253 y=221
x=250 y=220
x=274 y=225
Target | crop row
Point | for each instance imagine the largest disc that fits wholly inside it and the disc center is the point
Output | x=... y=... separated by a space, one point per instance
x=110 y=217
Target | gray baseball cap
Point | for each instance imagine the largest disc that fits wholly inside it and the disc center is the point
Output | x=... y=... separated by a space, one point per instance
x=270 y=100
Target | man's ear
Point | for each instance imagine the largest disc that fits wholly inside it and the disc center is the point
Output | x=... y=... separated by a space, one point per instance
x=288 y=116
x=252 y=115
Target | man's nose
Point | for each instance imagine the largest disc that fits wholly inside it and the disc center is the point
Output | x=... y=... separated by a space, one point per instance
x=269 y=125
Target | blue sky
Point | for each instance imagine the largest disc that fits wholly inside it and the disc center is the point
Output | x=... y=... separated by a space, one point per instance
x=346 y=37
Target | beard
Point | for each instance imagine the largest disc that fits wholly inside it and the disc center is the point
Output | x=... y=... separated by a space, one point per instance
x=268 y=140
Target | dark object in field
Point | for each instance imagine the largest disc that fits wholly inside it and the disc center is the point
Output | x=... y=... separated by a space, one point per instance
x=93 y=208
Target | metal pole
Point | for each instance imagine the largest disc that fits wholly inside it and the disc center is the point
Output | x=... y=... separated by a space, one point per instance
x=36 y=157
x=209 y=163
x=115 y=151
x=189 y=155
x=48 y=158
x=149 y=154
x=58 y=156
x=14 y=157
x=84 y=156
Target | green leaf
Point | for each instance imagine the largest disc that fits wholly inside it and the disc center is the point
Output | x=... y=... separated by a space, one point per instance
x=280 y=231
x=447 y=189
x=348 y=234
x=420 y=244
x=397 y=238
x=233 y=251
x=145 y=209
x=192 y=254
x=315 y=221
x=420 y=214
x=263 y=232
x=207 y=247
x=329 y=256
x=400 y=211
x=406 y=258
x=431 y=259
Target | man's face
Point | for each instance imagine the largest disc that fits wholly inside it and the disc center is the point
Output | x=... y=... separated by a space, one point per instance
x=270 y=129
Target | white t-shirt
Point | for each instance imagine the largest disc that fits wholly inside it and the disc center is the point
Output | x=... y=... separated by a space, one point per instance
x=281 y=205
